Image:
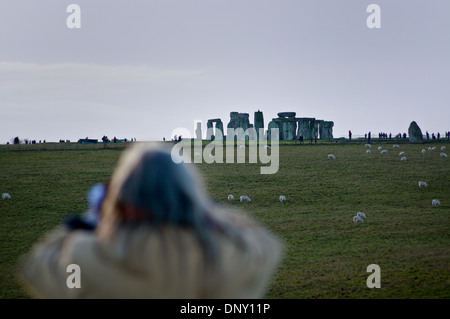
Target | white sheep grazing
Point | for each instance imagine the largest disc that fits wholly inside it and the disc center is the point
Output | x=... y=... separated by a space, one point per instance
x=395 y=146
x=401 y=153
x=424 y=151
x=6 y=196
x=384 y=152
x=244 y=198
x=266 y=146
x=211 y=156
x=422 y=184
x=444 y=155
x=282 y=198
x=443 y=148
x=429 y=148
x=361 y=214
x=358 y=219
x=368 y=146
x=331 y=156
x=433 y=148
x=435 y=202
x=380 y=148
x=403 y=158
x=230 y=197
x=368 y=151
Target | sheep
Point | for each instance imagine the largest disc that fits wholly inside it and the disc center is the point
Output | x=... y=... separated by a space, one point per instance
x=443 y=148
x=380 y=148
x=429 y=148
x=331 y=156
x=424 y=151
x=368 y=146
x=395 y=146
x=6 y=196
x=403 y=158
x=444 y=155
x=197 y=154
x=266 y=146
x=244 y=198
x=433 y=148
x=422 y=184
x=368 y=151
x=384 y=152
x=358 y=219
x=361 y=214
x=282 y=198
x=435 y=202
x=401 y=153
x=211 y=156
x=230 y=197
x=242 y=146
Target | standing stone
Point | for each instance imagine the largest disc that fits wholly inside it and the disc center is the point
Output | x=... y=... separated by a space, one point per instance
x=239 y=120
x=233 y=120
x=282 y=127
x=314 y=128
x=198 y=131
x=209 y=130
x=219 y=127
x=272 y=124
x=304 y=127
x=258 y=122
x=415 y=133
x=326 y=130
x=252 y=133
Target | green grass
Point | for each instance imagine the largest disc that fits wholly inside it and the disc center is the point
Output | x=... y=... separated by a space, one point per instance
x=326 y=254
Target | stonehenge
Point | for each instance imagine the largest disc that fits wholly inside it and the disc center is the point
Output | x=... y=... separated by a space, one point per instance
x=290 y=127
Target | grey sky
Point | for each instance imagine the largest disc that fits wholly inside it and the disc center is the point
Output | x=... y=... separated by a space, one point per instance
x=143 y=68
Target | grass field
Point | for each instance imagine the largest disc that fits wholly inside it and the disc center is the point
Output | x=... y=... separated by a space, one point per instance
x=326 y=254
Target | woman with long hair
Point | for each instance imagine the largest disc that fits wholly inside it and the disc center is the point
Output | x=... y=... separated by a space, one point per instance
x=159 y=235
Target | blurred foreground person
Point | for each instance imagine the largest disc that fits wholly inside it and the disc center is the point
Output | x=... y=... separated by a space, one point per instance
x=159 y=236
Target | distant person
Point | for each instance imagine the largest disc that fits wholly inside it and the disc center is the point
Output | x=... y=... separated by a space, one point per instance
x=428 y=136
x=158 y=235
x=301 y=139
x=350 y=135
x=369 y=137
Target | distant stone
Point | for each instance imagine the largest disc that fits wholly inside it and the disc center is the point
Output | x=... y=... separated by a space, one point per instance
x=198 y=131
x=415 y=133
x=286 y=114
x=259 y=122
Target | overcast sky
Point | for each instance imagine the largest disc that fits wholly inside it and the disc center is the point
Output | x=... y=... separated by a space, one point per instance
x=143 y=68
